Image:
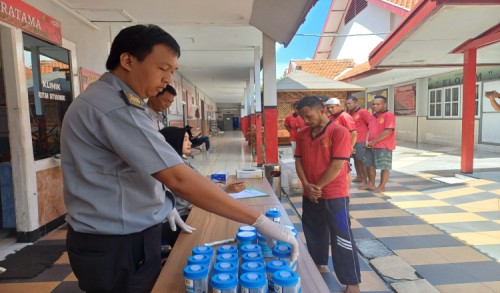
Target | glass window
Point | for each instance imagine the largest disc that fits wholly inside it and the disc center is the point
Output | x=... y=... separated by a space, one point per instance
x=452 y=102
x=50 y=93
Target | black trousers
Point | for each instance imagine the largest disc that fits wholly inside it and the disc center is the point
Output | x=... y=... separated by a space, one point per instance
x=115 y=263
x=328 y=222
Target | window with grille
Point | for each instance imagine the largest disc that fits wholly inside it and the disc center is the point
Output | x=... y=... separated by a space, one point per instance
x=354 y=9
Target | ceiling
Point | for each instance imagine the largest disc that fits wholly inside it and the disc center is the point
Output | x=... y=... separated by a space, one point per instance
x=217 y=37
x=432 y=41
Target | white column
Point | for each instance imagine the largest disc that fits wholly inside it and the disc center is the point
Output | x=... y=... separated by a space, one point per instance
x=258 y=102
x=21 y=148
x=251 y=91
x=269 y=70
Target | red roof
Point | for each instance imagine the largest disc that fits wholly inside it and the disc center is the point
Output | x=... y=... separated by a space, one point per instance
x=408 y=4
x=329 y=68
x=359 y=71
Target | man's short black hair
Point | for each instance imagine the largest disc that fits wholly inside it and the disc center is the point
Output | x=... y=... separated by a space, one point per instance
x=169 y=89
x=138 y=41
x=352 y=98
x=380 y=97
x=311 y=102
x=323 y=99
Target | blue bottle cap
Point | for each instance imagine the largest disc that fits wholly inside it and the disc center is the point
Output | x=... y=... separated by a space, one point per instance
x=246 y=236
x=285 y=278
x=246 y=228
x=261 y=238
x=252 y=256
x=225 y=267
x=203 y=250
x=277 y=265
x=253 y=266
x=228 y=257
x=282 y=250
x=199 y=259
x=224 y=281
x=273 y=213
x=226 y=249
x=253 y=280
x=250 y=248
x=194 y=272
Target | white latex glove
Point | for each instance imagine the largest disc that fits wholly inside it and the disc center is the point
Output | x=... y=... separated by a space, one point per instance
x=174 y=220
x=271 y=230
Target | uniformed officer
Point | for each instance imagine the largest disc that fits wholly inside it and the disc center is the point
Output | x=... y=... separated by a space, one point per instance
x=158 y=104
x=111 y=155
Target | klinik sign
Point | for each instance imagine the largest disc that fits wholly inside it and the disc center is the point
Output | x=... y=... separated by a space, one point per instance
x=31 y=20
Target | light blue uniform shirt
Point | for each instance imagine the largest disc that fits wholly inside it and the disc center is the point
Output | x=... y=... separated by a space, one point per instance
x=109 y=150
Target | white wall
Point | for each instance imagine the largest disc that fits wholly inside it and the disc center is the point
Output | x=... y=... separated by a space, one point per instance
x=92 y=45
x=373 y=19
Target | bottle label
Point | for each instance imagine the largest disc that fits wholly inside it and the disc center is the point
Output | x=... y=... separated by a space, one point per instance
x=278 y=289
x=189 y=285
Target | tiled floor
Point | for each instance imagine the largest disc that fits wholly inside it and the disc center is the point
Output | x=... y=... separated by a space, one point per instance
x=448 y=233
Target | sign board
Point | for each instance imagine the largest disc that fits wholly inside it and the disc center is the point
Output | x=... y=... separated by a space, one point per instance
x=87 y=77
x=405 y=100
x=31 y=20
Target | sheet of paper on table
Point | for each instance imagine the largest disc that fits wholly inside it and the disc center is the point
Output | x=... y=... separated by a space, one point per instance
x=248 y=193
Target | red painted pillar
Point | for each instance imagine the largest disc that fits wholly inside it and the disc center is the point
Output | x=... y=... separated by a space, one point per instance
x=258 y=122
x=243 y=126
x=271 y=131
x=468 y=111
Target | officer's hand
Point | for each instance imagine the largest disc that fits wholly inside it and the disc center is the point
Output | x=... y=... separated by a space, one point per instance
x=271 y=230
x=174 y=220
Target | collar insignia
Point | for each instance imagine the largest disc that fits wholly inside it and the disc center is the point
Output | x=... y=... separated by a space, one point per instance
x=132 y=100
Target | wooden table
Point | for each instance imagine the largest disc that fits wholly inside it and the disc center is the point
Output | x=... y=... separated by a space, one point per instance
x=211 y=227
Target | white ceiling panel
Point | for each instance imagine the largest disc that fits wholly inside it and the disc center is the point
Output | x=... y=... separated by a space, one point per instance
x=217 y=37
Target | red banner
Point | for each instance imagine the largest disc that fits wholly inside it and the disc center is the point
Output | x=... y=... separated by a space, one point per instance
x=31 y=20
x=87 y=77
x=405 y=100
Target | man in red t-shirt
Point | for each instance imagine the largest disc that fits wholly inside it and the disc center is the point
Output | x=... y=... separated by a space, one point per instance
x=361 y=119
x=293 y=123
x=339 y=116
x=321 y=160
x=381 y=143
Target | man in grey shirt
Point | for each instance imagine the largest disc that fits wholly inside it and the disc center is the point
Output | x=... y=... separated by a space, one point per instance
x=158 y=104
x=111 y=155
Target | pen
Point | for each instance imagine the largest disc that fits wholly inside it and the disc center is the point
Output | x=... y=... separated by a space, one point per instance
x=225 y=241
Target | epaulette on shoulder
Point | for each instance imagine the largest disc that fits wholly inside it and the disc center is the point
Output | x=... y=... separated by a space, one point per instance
x=131 y=99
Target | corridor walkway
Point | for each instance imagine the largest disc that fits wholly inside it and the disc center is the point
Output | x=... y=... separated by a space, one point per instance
x=448 y=233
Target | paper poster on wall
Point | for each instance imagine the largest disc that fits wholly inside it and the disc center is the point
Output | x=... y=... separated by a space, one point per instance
x=176 y=107
x=405 y=100
x=87 y=77
x=370 y=95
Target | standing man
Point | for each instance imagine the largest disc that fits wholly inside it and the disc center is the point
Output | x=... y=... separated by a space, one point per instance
x=293 y=123
x=381 y=143
x=339 y=116
x=320 y=160
x=112 y=159
x=158 y=104
x=361 y=119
